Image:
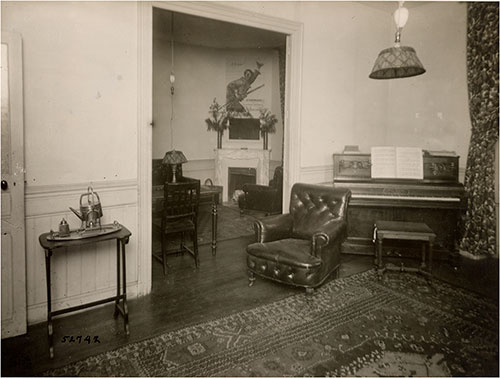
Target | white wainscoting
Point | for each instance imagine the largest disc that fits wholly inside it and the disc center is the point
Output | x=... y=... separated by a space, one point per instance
x=317 y=174
x=81 y=274
x=201 y=169
x=461 y=174
x=324 y=173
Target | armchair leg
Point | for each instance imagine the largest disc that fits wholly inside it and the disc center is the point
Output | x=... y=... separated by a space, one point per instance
x=251 y=278
x=164 y=253
x=182 y=241
x=195 y=245
x=309 y=291
x=336 y=273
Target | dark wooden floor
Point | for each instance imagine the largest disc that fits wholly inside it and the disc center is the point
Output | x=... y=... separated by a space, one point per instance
x=188 y=296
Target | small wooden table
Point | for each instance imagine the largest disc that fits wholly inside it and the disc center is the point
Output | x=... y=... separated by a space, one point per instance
x=209 y=195
x=122 y=237
x=413 y=231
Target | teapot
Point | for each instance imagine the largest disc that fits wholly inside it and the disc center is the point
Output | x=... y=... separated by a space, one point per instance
x=90 y=212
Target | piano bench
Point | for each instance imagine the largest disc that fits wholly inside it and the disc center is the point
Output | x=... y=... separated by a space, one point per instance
x=413 y=231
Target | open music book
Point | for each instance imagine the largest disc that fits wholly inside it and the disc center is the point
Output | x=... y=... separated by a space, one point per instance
x=397 y=162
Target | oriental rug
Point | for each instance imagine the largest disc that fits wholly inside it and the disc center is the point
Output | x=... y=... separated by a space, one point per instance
x=352 y=326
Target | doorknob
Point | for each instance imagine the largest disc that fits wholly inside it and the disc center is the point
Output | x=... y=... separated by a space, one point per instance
x=5 y=185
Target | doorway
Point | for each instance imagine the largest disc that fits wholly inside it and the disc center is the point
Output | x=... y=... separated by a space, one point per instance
x=198 y=62
x=195 y=65
x=291 y=148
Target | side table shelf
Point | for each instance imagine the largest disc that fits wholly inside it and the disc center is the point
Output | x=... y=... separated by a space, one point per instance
x=122 y=238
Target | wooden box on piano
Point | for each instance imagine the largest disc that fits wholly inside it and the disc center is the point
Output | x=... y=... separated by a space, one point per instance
x=437 y=200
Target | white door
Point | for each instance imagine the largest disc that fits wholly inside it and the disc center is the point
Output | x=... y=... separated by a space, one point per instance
x=12 y=189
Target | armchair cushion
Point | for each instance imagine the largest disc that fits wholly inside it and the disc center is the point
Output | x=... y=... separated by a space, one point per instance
x=290 y=252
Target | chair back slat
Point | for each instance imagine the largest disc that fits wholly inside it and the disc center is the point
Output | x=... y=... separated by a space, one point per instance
x=181 y=199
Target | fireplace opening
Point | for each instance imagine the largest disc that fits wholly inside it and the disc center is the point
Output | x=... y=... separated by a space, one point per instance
x=238 y=176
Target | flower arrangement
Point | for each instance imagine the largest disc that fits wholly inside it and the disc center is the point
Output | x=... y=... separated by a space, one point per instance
x=219 y=117
x=267 y=122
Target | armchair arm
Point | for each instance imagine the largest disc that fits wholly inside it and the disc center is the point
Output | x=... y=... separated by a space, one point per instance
x=273 y=228
x=332 y=231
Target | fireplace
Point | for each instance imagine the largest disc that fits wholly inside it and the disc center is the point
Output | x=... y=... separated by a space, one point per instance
x=239 y=176
x=246 y=158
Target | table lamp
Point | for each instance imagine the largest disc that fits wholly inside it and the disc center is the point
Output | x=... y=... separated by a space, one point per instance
x=173 y=159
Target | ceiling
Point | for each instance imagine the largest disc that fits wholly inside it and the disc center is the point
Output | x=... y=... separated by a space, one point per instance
x=200 y=31
x=206 y=32
x=391 y=6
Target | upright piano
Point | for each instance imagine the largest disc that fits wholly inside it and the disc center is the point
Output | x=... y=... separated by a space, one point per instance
x=437 y=200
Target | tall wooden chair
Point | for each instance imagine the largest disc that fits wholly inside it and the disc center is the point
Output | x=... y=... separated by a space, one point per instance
x=179 y=217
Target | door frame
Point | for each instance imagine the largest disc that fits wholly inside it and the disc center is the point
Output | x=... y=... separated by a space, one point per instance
x=17 y=323
x=291 y=135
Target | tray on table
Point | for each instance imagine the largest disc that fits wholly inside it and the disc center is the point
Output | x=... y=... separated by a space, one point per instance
x=83 y=233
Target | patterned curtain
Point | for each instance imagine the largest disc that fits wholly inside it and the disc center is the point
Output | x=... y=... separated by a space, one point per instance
x=482 y=78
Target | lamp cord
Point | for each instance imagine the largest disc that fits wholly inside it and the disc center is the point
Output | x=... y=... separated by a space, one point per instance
x=172 y=43
x=171 y=83
x=172 y=123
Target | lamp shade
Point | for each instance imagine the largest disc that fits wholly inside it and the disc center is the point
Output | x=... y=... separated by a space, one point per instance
x=174 y=157
x=397 y=62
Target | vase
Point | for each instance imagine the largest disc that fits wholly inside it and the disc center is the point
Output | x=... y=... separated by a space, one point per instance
x=219 y=139
x=265 y=140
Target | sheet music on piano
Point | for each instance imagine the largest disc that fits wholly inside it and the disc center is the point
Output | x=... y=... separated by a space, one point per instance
x=397 y=162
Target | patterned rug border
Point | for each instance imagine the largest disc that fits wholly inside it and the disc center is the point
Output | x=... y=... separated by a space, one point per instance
x=332 y=285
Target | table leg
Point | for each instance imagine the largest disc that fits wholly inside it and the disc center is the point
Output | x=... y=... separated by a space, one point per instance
x=430 y=258
x=422 y=264
x=214 y=228
x=125 y=307
x=375 y=261
x=380 y=271
x=118 y=291
x=50 y=330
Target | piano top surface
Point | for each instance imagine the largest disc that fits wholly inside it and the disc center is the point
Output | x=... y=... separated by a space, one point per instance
x=397 y=185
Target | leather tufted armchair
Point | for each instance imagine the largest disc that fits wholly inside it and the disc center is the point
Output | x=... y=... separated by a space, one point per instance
x=301 y=248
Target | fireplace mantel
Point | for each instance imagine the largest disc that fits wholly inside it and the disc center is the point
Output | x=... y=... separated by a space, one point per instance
x=244 y=158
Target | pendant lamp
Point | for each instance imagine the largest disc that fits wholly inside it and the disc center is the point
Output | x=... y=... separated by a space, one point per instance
x=397 y=61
